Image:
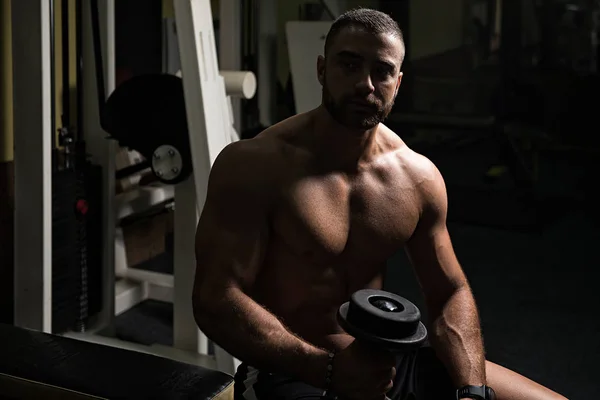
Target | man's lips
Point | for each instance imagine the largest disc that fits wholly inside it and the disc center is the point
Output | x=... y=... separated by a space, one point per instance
x=363 y=105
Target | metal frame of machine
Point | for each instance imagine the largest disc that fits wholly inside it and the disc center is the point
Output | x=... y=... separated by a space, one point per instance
x=32 y=124
x=212 y=129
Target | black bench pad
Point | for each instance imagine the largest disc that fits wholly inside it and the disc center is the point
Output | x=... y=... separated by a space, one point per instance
x=104 y=371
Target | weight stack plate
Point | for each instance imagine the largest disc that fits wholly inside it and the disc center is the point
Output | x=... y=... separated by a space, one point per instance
x=77 y=247
x=65 y=269
x=81 y=211
x=95 y=239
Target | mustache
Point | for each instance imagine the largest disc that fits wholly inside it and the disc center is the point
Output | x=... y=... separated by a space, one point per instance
x=364 y=102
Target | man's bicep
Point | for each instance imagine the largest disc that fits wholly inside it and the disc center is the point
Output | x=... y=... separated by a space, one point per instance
x=232 y=233
x=435 y=264
x=229 y=251
x=430 y=248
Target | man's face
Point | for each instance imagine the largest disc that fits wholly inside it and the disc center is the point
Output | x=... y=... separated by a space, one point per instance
x=360 y=77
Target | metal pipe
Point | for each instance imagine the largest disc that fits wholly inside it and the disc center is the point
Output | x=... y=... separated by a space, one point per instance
x=98 y=57
x=490 y=30
x=66 y=90
x=6 y=83
x=141 y=275
x=131 y=170
x=79 y=70
x=53 y=126
x=6 y=166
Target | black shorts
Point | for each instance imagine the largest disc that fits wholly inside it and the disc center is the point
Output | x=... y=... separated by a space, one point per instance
x=420 y=375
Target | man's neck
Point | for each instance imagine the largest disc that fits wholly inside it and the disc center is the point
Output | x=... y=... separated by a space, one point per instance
x=340 y=147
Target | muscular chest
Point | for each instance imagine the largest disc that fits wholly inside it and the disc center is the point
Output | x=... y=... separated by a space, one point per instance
x=332 y=220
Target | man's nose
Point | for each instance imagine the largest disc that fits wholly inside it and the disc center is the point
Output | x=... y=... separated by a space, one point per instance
x=364 y=86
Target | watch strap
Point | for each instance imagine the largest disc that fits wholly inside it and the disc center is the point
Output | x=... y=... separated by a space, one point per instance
x=475 y=392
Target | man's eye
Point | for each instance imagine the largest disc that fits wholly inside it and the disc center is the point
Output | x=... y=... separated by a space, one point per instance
x=350 y=65
x=383 y=72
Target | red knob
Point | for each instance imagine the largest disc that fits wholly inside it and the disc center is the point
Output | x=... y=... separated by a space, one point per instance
x=82 y=206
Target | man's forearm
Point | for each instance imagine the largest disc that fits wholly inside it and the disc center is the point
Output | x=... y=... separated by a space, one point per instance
x=252 y=334
x=456 y=336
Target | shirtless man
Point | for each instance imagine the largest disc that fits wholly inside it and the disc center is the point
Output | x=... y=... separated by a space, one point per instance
x=305 y=214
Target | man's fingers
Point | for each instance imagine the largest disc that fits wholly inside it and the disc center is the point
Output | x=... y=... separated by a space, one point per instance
x=392 y=373
x=387 y=386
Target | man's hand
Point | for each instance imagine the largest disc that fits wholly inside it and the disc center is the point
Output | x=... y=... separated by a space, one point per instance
x=361 y=372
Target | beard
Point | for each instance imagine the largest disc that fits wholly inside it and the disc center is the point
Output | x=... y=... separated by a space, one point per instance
x=341 y=110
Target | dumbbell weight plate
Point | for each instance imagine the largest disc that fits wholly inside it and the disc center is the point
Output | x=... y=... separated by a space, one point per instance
x=383 y=319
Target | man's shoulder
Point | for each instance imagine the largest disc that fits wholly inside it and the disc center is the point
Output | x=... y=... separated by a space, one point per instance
x=253 y=153
x=420 y=168
x=259 y=163
x=246 y=160
x=415 y=165
x=422 y=173
x=422 y=177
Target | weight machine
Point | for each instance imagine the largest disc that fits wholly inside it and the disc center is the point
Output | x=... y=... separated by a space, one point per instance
x=206 y=96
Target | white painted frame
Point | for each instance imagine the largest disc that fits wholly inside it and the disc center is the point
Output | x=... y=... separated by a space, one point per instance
x=32 y=162
x=210 y=127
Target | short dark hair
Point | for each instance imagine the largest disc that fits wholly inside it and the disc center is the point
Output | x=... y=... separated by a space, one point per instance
x=373 y=21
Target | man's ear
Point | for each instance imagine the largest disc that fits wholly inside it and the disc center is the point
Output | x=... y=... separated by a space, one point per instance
x=321 y=69
x=399 y=81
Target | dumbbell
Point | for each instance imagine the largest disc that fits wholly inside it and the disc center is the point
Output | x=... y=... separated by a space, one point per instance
x=383 y=320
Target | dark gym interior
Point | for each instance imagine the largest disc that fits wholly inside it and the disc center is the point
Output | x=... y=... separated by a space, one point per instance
x=504 y=114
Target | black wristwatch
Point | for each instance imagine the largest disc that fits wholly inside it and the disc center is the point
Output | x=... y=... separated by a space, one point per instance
x=476 y=392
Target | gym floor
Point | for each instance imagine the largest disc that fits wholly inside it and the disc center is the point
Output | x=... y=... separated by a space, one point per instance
x=533 y=284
